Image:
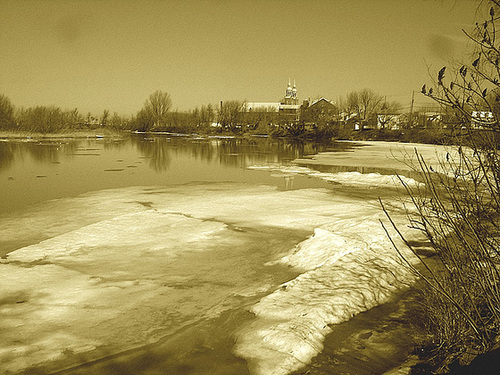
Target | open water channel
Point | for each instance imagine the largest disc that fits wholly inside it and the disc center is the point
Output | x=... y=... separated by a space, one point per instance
x=154 y=254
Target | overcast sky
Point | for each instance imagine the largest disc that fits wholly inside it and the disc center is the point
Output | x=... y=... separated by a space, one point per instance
x=111 y=54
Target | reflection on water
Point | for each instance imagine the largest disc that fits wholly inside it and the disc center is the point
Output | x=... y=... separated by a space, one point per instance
x=36 y=170
x=235 y=152
x=6 y=154
x=42 y=152
x=156 y=150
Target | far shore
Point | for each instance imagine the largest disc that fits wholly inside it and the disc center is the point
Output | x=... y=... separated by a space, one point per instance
x=97 y=133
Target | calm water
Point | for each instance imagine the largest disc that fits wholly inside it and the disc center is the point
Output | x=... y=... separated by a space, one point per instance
x=35 y=171
x=177 y=255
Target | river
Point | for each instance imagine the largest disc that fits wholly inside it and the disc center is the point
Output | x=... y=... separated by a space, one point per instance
x=199 y=255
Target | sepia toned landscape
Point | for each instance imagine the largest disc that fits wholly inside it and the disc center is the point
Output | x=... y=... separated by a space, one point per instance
x=262 y=188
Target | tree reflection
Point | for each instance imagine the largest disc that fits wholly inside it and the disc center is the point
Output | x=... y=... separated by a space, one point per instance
x=6 y=154
x=244 y=152
x=203 y=149
x=114 y=144
x=44 y=152
x=235 y=152
x=157 y=150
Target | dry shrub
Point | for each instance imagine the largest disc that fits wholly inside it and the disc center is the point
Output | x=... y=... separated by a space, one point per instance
x=458 y=210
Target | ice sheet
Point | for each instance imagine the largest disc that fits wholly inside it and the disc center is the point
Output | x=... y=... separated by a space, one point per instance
x=389 y=155
x=350 y=267
x=344 y=178
x=115 y=269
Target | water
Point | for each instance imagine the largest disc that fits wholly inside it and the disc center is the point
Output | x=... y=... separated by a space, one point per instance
x=186 y=255
x=36 y=171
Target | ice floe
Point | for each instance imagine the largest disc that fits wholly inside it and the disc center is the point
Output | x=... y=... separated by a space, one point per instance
x=116 y=269
x=345 y=178
x=348 y=266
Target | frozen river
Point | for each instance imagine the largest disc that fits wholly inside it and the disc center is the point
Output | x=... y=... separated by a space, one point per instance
x=190 y=255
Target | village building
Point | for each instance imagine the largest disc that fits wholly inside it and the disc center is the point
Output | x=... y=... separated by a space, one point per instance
x=390 y=121
x=290 y=112
x=320 y=112
x=321 y=106
x=482 y=119
x=288 y=107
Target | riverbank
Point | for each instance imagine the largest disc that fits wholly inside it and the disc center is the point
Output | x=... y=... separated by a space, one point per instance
x=421 y=136
x=404 y=157
x=72 y=134
x=373 y=342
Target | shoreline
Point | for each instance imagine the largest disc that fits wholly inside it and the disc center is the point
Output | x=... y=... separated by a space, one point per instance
x=377 y=341
x=72 y=134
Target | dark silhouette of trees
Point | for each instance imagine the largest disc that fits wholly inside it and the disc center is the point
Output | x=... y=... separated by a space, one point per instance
x=43 y=119
x=105 y=118
x=230 y=114
x=7 y=120
x=364 y=105
x=154 y=113
x=157 y=106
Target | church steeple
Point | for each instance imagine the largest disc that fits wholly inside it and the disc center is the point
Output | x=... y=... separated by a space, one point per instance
x=288 y=93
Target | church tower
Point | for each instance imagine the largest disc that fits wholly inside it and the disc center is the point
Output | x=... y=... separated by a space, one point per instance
x=290 y=94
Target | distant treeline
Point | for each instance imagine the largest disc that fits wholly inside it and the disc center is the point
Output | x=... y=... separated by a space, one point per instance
x=52 y=119
x=358 y=111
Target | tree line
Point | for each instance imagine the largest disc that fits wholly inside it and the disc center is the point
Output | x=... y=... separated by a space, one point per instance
x=361 y=109
x=51 y=119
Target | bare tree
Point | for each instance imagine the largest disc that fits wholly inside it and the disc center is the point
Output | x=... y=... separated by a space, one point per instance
x=229 y=114
x=352 y=104
x=157 y=107
x=154 y=113
x=369 y=103
x=207 y=115
x=117 y=122
x=6 y=113
x=105 y=117
x=41 y=119
x=387 y=113
x=364 y=104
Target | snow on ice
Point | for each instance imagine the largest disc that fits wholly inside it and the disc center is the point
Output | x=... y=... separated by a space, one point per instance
x=116 y=269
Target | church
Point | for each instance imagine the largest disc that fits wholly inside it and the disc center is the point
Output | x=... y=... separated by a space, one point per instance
x=289 y=111
x=289 y=106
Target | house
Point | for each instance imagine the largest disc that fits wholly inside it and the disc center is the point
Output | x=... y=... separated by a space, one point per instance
x=482 y=119
x=321 y=106
x=320 y=112
x=390 y=122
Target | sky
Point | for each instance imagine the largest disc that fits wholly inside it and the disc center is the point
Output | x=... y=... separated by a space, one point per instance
x=112 y=54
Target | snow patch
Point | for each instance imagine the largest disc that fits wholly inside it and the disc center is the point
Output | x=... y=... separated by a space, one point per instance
x=348 y=269
x=344 y=178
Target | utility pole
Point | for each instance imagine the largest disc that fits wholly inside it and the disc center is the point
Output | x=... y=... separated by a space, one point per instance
x=411 y=108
